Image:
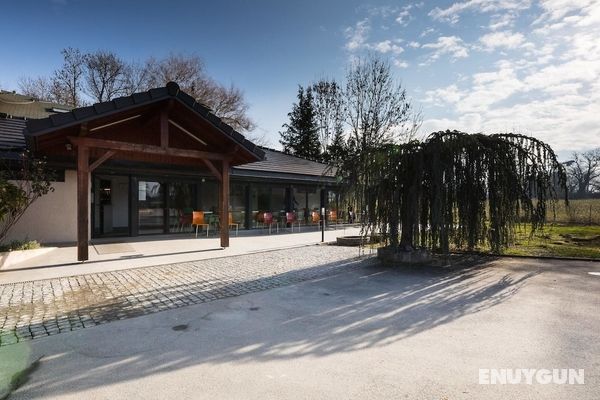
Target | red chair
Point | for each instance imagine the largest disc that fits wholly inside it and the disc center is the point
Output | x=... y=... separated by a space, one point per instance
x=259 y=218
x=184 y=220
x=291 y=218
x=268 y=220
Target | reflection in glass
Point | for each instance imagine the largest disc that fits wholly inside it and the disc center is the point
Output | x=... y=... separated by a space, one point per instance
x=237 y=204
x=181 y=206
x=151 y=203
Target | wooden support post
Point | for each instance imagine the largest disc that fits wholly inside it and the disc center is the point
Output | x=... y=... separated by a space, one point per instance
x=164 y=129
x=83 y=205
x=225 y=204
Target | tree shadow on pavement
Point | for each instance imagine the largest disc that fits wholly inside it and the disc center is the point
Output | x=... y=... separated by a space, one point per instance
x=363 y=307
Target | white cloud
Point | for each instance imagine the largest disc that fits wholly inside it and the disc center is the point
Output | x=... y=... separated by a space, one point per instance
x=549 y=88
x=555 y=10
x=427 y=32
x=452 y=13
x=503 y=20
x=450 y=45
x=443 y=96
x=357 y=35
x=403 y=17
x=466 y=123
x=504 y=39
x=400 y=63
x=386 y=46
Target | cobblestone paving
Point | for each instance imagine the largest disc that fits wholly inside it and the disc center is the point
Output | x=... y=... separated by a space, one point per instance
x=35 y=309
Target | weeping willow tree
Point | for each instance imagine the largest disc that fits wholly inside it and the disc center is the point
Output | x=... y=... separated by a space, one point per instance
x=455 y=190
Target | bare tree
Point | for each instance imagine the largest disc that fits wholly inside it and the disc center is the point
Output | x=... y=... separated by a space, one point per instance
x=330 y=110
x=228 y=103
x=67 y=81
x=188 y=71
x=39 y=88
x=378 y=109
x=584 y=172
x=136 y=77
x=105 y=76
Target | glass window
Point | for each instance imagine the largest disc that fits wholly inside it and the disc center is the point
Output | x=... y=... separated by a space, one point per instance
x=151 y=204
x=278 y=206
x=260 y=201
x=237 y=203
x=299 y=203
x=208 y=200
x=181 y=206
x=314 y=199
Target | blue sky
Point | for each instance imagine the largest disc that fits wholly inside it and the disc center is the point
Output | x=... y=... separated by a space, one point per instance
x=475 y=65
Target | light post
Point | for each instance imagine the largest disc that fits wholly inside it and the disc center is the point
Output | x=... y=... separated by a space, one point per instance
x=322 y=224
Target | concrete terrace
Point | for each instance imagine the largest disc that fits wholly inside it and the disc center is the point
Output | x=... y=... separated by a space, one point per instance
x=124 y=253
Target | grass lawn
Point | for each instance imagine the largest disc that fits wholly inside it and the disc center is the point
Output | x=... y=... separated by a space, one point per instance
x=559 y=240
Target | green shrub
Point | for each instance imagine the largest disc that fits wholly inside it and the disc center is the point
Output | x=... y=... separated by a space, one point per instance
x=20 y=245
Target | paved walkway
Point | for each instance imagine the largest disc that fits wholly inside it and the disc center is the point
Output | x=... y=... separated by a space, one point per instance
x=45 y=307
x=126 y=253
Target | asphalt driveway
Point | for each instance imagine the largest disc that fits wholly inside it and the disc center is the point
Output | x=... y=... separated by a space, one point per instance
x=366 y=332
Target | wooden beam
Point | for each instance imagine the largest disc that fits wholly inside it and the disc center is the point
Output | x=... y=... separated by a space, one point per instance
x=114 y=123
x=83 y=205
x=100 y=160
x=83 y=129
x=225 y=204
x=213 y=169
x=190 y=134
x=145 y=148
x=164 y=129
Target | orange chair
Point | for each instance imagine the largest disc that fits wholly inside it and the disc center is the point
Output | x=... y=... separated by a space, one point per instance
x=198 y=220
x=268 y=220
x=233 y=223
x=333 y=218
x=291 y=218
x=315 y=218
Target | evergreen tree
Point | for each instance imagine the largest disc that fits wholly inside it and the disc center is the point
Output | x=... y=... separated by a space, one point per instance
x=338 y=149
x=300 y=136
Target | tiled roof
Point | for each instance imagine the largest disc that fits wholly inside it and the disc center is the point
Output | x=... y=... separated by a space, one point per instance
x=276 y=161
x=171 y=90
x=11 y=134
x=20 y=106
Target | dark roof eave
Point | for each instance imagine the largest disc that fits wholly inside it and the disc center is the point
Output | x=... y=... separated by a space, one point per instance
x=245 y=173
x=39 y=127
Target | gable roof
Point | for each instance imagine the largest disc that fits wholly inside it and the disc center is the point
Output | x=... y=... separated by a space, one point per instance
x=37 y=127
x=280 y=162
x=14 y=105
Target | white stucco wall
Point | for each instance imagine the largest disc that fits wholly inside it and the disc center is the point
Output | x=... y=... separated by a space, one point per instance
x=51 y=218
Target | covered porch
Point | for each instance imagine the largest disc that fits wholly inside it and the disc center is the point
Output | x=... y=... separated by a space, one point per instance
x=160 y=132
